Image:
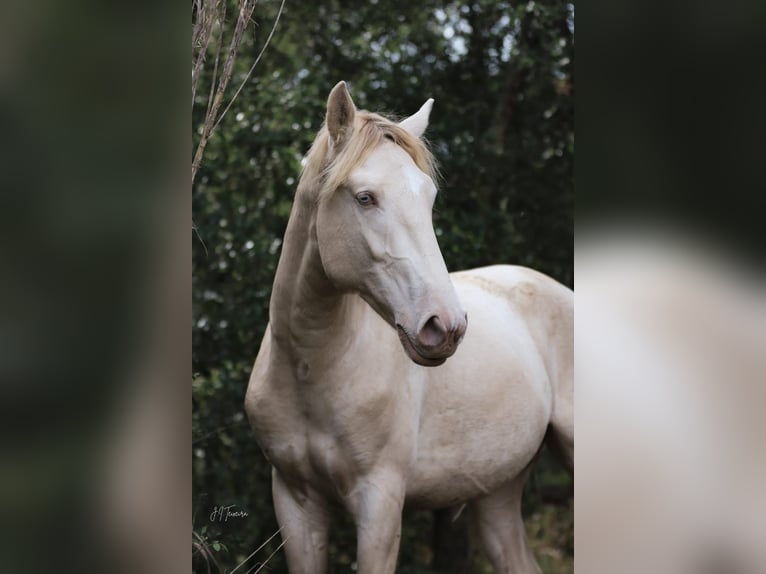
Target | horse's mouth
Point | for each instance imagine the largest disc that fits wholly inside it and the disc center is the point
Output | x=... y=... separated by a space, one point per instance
x=413 y=353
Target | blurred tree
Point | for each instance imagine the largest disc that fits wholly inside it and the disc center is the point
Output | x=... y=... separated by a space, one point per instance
x=502 y=131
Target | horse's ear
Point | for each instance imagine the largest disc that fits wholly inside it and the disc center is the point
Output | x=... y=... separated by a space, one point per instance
x=417 y=123
x=340 y=113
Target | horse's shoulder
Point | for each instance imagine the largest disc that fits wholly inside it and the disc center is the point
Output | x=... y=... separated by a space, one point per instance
x=264 y=352
x=259 y=375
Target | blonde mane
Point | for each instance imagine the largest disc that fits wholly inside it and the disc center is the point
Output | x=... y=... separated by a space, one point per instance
x=325 y=171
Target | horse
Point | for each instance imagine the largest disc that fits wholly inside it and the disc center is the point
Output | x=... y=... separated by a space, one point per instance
x=369 y=390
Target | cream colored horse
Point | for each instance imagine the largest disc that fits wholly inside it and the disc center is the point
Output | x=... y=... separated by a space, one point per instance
x=351 y=398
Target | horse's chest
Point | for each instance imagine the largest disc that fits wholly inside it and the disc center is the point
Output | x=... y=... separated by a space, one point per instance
x=307 y=453
x=329 y=444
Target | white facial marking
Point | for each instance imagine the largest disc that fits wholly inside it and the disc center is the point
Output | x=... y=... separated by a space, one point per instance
x=415 y=178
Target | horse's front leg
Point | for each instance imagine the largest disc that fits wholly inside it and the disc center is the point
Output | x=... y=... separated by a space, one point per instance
x=377 y=508
x=304 y=523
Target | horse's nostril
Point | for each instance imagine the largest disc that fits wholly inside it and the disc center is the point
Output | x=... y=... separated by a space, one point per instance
x=460 y=330
x=433 y=332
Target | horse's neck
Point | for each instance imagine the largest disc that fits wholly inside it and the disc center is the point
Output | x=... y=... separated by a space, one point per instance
x=307 y=312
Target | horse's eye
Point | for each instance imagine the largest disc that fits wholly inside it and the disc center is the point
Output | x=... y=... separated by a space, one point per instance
x=365 y=198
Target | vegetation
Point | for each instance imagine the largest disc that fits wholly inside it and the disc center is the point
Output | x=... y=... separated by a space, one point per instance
x=502 y=130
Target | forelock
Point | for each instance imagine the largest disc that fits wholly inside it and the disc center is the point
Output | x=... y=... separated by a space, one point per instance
x=329 y=169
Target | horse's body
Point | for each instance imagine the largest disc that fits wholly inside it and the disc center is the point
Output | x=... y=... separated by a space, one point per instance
x=349 y=420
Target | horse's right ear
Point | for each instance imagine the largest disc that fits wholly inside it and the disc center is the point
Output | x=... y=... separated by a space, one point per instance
x=417 y=123
x=340 y=113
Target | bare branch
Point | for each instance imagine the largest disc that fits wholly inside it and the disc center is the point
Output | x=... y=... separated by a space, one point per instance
x=250 y=71
x=201 y=33
x=218 y=85
x=213 y=81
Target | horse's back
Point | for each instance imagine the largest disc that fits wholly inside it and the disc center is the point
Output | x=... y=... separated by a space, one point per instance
x=522 y=287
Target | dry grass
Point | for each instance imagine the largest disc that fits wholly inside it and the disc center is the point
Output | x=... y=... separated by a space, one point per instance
x=551 y=536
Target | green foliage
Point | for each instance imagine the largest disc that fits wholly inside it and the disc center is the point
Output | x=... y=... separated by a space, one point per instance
x=502 y=130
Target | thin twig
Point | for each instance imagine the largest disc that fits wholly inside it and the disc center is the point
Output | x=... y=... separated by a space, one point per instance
x=202 y=547
x=216 y=431
x=262 y=566
x=196 y=231
x=257 y=549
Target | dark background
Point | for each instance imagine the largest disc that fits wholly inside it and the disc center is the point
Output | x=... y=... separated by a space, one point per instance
x=95 y=254
x=501 y=74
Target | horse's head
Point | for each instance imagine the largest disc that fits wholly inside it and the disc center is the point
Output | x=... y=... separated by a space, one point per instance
x=374 y=227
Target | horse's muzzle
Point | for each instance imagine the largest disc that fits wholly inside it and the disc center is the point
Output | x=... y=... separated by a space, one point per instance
x=435 y=342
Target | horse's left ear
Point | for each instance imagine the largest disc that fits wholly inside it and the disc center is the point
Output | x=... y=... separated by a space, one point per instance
x=340 y=113
x=417 y=123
